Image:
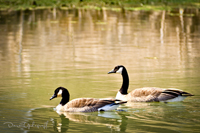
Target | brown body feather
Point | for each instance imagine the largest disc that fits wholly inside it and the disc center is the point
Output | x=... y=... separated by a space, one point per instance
x=86 y=104
x=151 y=94
x=144 y=94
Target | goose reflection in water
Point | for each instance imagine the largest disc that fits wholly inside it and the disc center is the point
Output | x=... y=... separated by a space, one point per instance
x=65 y=121
x=111 y=120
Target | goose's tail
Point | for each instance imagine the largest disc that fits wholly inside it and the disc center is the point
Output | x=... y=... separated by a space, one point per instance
x=173 y=95
x=177 y=92
x=112 y=106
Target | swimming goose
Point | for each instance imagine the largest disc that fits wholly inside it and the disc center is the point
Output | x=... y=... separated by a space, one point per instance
x=84 y=104
x=146 y=94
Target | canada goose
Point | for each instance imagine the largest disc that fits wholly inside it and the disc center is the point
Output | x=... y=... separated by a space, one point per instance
x=146 y=94
x=84 y=104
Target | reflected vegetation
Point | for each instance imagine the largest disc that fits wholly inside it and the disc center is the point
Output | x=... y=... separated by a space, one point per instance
x=41 y=50
x=82 y=36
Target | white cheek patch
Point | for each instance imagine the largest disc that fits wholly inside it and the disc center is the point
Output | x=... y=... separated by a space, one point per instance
x=120 y=70
x=59 y=93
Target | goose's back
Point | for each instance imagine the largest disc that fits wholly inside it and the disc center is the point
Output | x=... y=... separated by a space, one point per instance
x=86 y=104
x=150 y=94
x=146 y=94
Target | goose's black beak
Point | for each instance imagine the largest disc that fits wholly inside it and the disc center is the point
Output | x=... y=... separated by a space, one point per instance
x=54 y=96
x=112 y=71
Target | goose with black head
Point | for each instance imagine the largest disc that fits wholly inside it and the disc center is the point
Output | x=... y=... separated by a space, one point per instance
x=146 y=94
x=84 y=104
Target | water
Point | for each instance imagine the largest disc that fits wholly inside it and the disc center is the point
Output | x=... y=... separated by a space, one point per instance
x=41 y=50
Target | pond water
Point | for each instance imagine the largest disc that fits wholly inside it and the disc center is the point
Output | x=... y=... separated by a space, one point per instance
x=41 y=50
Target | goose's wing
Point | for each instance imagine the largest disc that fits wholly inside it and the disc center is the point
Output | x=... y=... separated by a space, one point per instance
x=146 y=94
x=88 y=104
x=149 y=94
x=172 y=94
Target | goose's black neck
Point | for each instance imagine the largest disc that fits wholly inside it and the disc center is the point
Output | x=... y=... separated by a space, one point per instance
x=125 y=83
x=64 y=101
x=65 y=97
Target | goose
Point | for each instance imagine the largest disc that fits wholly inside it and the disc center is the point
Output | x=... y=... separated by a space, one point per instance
x=146 y=94
x=83 y=104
